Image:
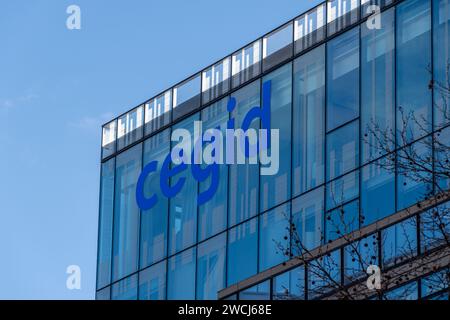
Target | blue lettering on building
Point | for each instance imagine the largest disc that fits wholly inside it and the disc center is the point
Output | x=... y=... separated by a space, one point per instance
x=200 y=174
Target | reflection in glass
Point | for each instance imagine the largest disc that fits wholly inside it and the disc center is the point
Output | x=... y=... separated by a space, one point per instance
x=307 y=217
x=276 y=189
x=413 y=75
x=152 y=282
x=186 y=97
x=216 y=80
x=343 y=79
x=309 y=28
x=125 y=289
x=277 y=46
x=157 y=112
x=129 y=127
x=126 y=213
x=242 y=239
x=246 y=63
x=109 y=139
x=154 y=221
x=211 y=267
x=309 y=120
x=181 y=276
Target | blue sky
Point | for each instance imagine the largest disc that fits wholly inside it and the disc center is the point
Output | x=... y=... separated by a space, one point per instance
x=58 y=86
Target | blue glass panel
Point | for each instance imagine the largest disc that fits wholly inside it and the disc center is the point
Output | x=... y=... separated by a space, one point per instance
x=186 y=97
x=441 y=62
x=242 y=251
x=399 y=242
x=104 y=294
x=307 y=216
x=154 y=221
x=414 y=183
x=213 y=214
x=377 y=182
x=341 y=14
x=126 y=289
x=258 y=292
x=342 y=190
x=413 y=74
x=181 y=276
x=274 y=242
x=342 y=221
x=358 y=256
x=442 y=156
x=435 y=227
x=276 y=189
x=211 y=267
x=309 y=120
x=343 y=79
x=126 y=213
x=405 y=292
x=377 y=86
x=243 y=184
x=105 y=224
x=183 y=207
x=290 y=285
x=152 y=282
x=324 y=275
x=435 y=282
x=342 y=150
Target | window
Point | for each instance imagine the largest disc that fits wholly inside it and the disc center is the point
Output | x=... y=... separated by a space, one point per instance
x=309 y=28
x=342 y=221
x=152 y=282
x=277 y=46
x=309 y=120
x=441 y=62
x=157 y=112
x=213 y=214
x=154 y=221
x=211 y=267
x=129 y=128
x=243 y=184
x=216 y=80
x=342 y=150
x=358 y=256
x=414 y=178
x=183 y=206
x=413 y=76
x=186 y=97
x=441 y=156
x=399 y=242
x=181 y=276
x=246 y=63
x=105 y=224
x=341 y=14
x=125 y=289
x=259 y=292
x=435 y=227
x=324 y=274
x=405 y=292
x=126 y=213
x=104 y=294
x=343 y=79
x=366 y=6
x=274 y=239
x=290 y=285
x=377 y=87
x=242 y=239
x=276 y=189
x=307 y=217
x=436 y=282
x=378 y=182
x=109 y=139
x=343 y=190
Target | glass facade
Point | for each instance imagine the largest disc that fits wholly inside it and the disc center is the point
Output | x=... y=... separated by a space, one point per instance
x=331 y=78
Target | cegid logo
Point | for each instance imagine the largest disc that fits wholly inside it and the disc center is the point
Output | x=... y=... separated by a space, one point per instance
x=211 y=149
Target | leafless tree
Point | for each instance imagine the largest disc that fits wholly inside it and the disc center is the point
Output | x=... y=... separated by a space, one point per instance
x=420 y=154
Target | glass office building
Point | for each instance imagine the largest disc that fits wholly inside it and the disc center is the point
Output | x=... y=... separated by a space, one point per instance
x=333 y=73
